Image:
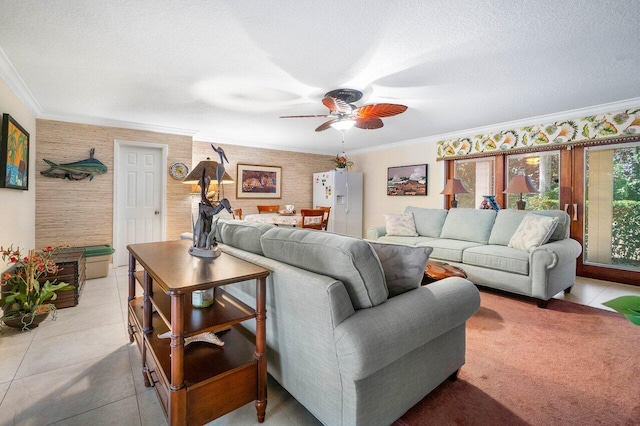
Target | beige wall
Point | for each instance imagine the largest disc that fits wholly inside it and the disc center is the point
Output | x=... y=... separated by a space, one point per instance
x=17 y=207
x=297 y=172
x=81 y=212
x=374 y=165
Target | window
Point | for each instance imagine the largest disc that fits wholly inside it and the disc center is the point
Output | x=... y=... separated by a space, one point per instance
x=543 y=168
x=477 y=176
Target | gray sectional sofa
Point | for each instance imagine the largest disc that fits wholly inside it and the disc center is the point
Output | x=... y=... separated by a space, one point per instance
x=336 y=341
x=478 y=242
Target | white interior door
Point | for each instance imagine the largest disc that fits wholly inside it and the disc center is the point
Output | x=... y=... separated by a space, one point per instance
x=139 y=196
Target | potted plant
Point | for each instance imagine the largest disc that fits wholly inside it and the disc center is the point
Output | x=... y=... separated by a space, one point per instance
x=342 y=162
x=25 y=301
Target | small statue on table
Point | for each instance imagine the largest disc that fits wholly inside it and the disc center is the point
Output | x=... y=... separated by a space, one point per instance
x=204 y=228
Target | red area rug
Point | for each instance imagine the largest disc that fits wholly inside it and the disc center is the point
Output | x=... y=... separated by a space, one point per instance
x=566 y=365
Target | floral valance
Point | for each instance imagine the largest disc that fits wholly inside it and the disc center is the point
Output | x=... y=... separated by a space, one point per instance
x=619 y=124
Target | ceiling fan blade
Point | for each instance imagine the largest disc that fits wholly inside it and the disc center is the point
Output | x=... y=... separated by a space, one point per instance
x=325 y=125
x=380 y=110
x=369 y=123
x=337 y=105
x=303 y=116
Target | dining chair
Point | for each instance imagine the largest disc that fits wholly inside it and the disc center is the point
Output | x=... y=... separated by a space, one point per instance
x=268 y=209
x=237 y=214
x=325 y=219
x=312 y=218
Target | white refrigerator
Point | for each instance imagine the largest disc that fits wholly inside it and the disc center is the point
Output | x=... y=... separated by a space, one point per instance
x=342 y=191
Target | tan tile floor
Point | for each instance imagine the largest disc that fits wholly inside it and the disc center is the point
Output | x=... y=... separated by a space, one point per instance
x=81 y=369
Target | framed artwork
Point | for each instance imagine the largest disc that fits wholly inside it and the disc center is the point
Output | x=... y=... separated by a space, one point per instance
x=258 y=181
x=14 y=155
x=407 y=180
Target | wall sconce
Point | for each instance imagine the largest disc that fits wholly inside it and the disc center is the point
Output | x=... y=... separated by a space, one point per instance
x=521 y=184
x=453 y=187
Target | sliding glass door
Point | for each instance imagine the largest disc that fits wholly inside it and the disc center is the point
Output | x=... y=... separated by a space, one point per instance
x=611 y=224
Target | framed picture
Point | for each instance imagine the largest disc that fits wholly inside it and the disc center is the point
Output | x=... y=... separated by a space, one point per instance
x=258 y=181
x=407 y=180
x=14 y=155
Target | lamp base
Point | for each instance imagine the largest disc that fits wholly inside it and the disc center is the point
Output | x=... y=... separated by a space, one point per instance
x=521 y=204
x=211 y=253
x=454 y=203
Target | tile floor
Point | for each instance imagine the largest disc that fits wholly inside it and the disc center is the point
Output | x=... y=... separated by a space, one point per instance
x=81 y=369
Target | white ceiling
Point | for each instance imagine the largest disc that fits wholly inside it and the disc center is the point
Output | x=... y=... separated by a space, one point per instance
x=226 y=70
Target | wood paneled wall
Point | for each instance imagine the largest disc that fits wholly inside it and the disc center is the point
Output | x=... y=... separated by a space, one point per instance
x=297 y=172
x=81 y=212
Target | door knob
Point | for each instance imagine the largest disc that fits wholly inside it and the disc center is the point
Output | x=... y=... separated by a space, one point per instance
x=157 y=212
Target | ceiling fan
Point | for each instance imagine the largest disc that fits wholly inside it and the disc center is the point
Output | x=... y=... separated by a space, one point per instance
x=345 y=114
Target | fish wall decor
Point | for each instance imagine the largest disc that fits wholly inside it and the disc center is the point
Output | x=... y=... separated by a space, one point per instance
x=77 y=170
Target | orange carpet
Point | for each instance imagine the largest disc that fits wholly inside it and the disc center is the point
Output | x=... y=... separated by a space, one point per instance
x=566 y=365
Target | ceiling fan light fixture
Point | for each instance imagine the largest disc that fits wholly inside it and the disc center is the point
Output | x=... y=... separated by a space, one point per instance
x=343 y=124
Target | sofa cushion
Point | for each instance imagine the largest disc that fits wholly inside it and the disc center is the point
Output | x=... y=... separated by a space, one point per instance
x=403 y=265
x=564 y=223
x=498 y=257
x=244 y=235
x=468 y=225
x=507 y=221
x=450 y=250
x=350 y=260
x=401 y=225
x=407 y=241
x=428 y=221
x=533 y=231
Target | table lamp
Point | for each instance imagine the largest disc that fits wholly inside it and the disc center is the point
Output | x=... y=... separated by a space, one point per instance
x=204 y=175
x=521 y=184
x=453 y=187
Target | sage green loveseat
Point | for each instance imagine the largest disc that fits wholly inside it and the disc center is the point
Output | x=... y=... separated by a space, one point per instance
x=477 y=241
x=336 y=342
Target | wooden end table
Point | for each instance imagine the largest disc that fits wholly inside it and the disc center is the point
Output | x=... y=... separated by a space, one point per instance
x=201 y=382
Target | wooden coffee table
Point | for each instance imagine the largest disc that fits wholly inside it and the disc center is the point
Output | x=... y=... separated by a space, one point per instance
x=436 y=270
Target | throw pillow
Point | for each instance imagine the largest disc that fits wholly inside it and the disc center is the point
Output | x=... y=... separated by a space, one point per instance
x=403 y=266
x=400 y=225
x=533 y=231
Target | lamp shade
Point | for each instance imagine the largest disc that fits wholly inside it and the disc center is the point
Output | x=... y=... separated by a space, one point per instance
x=520 y=184
x=210 y=167
x=454 y=186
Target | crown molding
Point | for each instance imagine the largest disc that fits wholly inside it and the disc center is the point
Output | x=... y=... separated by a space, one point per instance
x=69 y=118
x=17 y=85
x=217 y=140
x=507 y=125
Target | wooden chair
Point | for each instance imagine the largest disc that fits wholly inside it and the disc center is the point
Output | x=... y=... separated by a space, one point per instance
x=325 y=220
x=312 y=218
x=268 y=209
x=237 y=213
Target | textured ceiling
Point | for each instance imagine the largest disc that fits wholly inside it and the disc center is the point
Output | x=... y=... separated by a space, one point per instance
x=226 y=70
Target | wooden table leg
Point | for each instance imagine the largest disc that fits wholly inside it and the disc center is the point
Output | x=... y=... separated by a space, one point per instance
x=132 y=290
x=177 y=389
x=147 y=326
x=261 y=347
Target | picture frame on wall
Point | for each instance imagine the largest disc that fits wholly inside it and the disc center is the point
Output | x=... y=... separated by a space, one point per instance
x=255 y=181
x=407 y=180
x=14 y=154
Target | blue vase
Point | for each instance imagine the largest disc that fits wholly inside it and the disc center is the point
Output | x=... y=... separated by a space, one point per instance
x=491 y=201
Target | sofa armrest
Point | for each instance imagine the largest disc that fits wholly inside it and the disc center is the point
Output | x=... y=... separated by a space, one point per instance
x=556 y=253
x=373 y=338
x=376 y=232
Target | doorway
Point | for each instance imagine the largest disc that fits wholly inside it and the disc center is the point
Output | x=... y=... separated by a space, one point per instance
x=606 y=211
x=139 y=196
